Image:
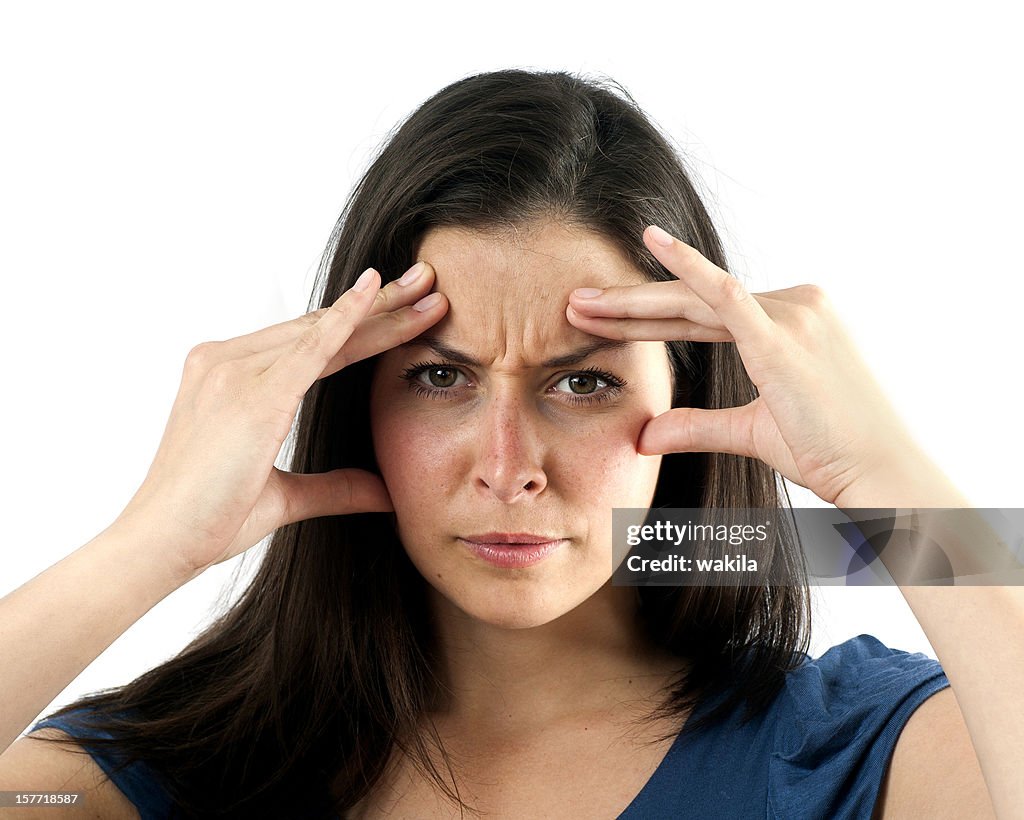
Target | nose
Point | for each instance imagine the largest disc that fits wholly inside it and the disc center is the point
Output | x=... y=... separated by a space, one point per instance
x=508 y=464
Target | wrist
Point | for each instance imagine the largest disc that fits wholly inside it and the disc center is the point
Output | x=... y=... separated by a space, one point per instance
x=147 y=554
x=908 y=480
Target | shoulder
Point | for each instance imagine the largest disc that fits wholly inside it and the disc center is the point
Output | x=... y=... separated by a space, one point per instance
x=934 y=771
x=837 y=721
x=32 y=764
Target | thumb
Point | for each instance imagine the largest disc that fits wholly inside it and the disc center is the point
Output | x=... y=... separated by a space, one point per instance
x=696 y=430
x=336 y=492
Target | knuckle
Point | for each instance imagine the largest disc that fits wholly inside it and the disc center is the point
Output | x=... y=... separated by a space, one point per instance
x=614 y=330
x=339 y=307
x=282 y=506
x=732 y=289
x=225 y=378
x=813 y=296
x=804 y=320
x=406 y=327
x=309 y=340
x=201 y=357
x=623 y=305
x=349 y=492
x=399 y=318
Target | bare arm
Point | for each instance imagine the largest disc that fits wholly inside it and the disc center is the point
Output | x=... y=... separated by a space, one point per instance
x=934 y=771
x=55 y=625
x=978 y=636
x=31 y=765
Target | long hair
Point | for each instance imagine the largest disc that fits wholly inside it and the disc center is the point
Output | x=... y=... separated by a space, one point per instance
x=296 y=698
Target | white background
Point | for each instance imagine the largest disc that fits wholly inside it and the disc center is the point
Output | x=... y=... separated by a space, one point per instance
x=171 y=175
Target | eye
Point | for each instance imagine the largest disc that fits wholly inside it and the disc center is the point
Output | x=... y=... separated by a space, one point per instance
x=436 y=380
x=584 y=383
x=438 y=375
x=432 y=379
x=585 y=386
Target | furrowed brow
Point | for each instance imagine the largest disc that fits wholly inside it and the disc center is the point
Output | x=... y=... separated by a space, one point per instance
x=588 y=350
x=572 y=357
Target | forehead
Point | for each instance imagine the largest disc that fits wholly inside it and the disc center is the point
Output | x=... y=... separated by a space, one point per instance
x=544 y=258
x=508 y=290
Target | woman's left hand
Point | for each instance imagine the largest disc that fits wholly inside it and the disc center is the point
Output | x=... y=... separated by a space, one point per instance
x=819 y=419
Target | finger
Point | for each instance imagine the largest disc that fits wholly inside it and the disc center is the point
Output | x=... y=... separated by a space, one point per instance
x=300 y=361
x=391 y=297
x=379 y=333
x=650 y=300
x=372 y=335
x=696 y=430
x=338 y=492
x=647 y=329
x=739 y=311
x=406 y=290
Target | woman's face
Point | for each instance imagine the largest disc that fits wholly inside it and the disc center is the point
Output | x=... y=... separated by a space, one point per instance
x=499 y=438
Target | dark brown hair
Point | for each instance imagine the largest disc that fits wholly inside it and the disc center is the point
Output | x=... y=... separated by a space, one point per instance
x=304 y=688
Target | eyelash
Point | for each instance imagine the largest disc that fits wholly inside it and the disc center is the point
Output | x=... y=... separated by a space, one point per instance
x=615 y=384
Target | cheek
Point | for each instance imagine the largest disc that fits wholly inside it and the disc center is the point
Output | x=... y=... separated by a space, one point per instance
x=601 y=464
x=406 y=451
x=612 y=472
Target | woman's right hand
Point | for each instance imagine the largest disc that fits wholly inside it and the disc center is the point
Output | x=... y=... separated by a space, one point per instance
x=213 y=490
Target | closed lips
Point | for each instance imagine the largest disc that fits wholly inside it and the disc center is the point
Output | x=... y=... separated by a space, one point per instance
x=511 y=538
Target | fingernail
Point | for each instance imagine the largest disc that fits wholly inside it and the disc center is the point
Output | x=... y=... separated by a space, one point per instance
x=588 y=293
x=660 y=237
x=363 y=282
x=411 y=275
x=427 y=302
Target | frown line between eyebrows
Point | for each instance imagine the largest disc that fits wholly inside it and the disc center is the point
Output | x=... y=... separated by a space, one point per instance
x=572 y=357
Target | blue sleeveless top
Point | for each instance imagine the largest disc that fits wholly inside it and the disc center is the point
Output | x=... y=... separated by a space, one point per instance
x=819 y=750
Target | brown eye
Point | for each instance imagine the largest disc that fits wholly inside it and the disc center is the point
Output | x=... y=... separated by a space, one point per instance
x=583 y=384
x=432 y=380
x=590 y=386
x=442 y=376
x=587 y=383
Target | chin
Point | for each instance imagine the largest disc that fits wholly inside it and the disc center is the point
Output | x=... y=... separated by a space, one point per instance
x=538 y=597
x=517 y=608
x=515 y=618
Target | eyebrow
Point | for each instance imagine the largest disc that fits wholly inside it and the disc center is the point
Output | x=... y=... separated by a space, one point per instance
x=572 y=357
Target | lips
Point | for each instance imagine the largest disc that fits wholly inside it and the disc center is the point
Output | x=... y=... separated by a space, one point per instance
x=513 y=550
x=511 y=538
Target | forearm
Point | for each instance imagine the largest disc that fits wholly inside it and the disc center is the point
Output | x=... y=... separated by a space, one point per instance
x=977 y=633
x=56 y=624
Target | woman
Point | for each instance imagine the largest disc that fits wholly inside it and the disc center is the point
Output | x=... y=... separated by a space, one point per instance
x=400 y=652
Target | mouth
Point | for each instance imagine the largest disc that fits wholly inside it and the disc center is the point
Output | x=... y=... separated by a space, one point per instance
x=511 y=538
x=513 y=550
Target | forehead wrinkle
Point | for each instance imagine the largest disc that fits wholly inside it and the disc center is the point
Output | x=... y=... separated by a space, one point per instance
x=575 y=356
x=514 y=275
